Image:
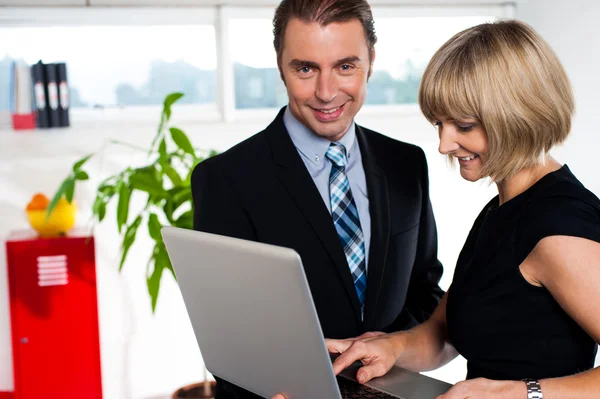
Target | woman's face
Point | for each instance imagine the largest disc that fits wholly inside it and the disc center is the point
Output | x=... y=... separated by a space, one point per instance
x=467 y=141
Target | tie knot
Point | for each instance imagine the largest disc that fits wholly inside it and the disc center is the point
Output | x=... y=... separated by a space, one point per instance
x=337 y=154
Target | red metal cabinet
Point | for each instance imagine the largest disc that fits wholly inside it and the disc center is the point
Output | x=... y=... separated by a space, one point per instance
x=54 y=316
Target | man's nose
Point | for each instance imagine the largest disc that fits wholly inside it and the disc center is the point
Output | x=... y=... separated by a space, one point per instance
x=327 y=87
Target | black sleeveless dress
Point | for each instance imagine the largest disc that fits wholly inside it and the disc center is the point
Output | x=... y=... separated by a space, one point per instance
x=506 y=328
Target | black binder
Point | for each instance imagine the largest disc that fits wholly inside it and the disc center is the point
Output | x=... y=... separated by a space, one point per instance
x=63 y=94
x=52 y=90
x=39 y=87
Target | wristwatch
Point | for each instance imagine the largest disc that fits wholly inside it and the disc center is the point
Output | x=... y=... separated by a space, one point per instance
x=534 y=390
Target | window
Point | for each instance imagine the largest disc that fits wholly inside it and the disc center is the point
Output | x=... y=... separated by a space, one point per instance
x=404 y=46
x=5 y=63
x=256 y=77
x=117 y=62
x=112 y=66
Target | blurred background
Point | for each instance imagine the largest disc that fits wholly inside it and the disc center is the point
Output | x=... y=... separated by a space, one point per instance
x=106 y=69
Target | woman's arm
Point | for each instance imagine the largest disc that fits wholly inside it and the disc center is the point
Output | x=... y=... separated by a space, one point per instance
x=569 y=268
x=424 y=347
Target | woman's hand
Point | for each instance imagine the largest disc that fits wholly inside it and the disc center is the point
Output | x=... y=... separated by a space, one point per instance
x=482 y=388
x=333 y=349
x=377 y=351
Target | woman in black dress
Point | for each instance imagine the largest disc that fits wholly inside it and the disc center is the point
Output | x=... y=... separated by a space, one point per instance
x=523 y=302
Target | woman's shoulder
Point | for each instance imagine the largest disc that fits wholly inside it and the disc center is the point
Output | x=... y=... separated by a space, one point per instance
x=562 y=206
x=558 y=192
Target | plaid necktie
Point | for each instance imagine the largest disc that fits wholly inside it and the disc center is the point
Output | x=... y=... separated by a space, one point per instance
x=346 y=219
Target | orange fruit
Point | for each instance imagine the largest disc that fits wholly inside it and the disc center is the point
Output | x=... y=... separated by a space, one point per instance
x=38 y=202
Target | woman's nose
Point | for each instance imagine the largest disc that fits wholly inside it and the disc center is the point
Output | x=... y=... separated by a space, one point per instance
x=448 y=143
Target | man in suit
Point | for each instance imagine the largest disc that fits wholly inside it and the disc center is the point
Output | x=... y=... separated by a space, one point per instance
x=353 y=203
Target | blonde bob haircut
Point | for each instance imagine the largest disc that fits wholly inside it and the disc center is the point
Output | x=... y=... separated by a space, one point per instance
x=504 y=75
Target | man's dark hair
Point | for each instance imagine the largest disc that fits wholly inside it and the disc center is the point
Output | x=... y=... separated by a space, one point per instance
x=323 y=12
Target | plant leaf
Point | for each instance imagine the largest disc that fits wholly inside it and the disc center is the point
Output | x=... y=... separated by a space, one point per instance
x=183 y=195
x=129 y=239
x=80 y=163
x=188 y=178
x=169 y=101
x=102 y=212
x=154 y=200
x=159 y=133
x=162 y=151
x=153 y=282
x=173 y=175
x=182 y=141
x=123 y=205
x=81 y=175
x=145 y=179
x=186 y=220
x=163 y=256
x=107 y=189
x=161 y=262
x=97 y=202
x=57 y=196
x=70 y=189
x=99 y=207
x=179 y=196
x=169 y=209
x=154 y=227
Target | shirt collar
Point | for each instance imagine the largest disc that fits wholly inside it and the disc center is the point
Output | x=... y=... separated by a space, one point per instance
x=312 y=146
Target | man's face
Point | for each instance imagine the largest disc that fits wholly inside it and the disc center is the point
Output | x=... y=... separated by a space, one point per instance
x=325 y=69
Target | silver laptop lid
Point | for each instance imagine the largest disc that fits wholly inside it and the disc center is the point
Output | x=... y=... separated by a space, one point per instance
x=224 y=281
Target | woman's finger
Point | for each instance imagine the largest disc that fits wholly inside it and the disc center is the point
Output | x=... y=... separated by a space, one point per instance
x=356 y=351
x=338 y=345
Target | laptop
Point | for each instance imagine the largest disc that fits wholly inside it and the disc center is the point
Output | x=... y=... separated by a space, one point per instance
x=255 y=322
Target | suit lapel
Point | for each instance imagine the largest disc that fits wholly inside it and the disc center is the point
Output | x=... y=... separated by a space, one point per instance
x=380 y=226
x=294 y=176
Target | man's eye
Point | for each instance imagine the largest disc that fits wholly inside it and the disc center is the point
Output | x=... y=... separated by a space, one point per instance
x=304 y=70
x=346 y=67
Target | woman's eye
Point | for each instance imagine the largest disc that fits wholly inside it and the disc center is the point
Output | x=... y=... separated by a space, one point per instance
x=465 y=128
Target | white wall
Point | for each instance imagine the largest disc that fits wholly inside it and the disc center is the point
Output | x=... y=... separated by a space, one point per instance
x=571 y=28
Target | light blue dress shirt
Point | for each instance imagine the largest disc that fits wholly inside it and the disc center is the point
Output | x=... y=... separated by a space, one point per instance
x=312 y=149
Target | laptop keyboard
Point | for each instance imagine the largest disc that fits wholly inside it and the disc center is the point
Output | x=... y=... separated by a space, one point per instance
x=353 y=390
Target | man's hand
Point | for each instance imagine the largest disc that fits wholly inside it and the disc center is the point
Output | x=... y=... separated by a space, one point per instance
x=482 y=388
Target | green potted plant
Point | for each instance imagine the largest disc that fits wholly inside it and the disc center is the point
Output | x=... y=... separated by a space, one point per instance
x=165 y=180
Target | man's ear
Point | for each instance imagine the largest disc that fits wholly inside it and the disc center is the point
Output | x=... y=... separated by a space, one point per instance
x=371 y=63
x=280 y=71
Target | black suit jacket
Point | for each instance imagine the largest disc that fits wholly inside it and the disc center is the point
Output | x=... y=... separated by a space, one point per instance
x=260 y=190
